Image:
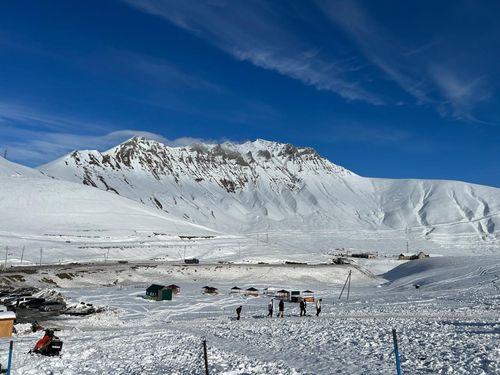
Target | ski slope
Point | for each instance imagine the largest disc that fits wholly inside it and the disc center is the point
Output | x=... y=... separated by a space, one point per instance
x=270 y=187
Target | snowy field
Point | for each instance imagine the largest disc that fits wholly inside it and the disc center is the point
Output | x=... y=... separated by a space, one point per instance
x=450 y=325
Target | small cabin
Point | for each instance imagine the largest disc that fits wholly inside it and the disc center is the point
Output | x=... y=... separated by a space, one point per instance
x=308 y=296
x=269 y=292
x=176 y=289
x=7 y=319
x=192 y=261
x=210 y=290
x=235 y=290
x=420 y=255
x=295 y=296
x=159 y=293
x=283 y=295
x=252 y=292
x=364 y=255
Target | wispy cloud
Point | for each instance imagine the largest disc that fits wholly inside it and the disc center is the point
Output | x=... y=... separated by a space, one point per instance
x=253 y=31
x=36 y=137
x=452 y=93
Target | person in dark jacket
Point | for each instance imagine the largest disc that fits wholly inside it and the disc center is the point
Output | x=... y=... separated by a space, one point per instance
x=281 y=308
x=302 y=308
x=238 y=313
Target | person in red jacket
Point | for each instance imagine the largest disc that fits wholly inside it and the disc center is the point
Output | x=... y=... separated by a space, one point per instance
x=42 y=346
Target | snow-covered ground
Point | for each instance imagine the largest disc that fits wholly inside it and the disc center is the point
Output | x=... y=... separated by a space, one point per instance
x=450 y=325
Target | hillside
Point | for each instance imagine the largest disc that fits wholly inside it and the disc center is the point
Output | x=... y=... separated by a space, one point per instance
x=72 y=221
x=265 y=186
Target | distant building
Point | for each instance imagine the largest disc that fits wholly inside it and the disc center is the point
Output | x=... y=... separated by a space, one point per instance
x=176 y=289
x=308 y=296
x=269 y=292
x=235 y=290
x=159 y=293
x=192 y=261
x=210 y=290
x=282 y=294
x=295 y=296
x=420 y=255
x=252 y=292
x=364 y=255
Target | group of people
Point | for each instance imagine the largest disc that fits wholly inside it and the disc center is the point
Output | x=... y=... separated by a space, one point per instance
x=281 y=308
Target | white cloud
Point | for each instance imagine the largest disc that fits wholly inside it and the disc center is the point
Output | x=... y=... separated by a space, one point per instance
x=451 y=92
x=35 y=137
x=253 y=31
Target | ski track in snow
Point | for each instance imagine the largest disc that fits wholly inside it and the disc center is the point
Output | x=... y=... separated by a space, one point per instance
x=451 y=325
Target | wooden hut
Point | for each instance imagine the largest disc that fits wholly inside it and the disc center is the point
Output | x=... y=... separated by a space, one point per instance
x=7 y=323
x=282 y=294
x=210 y=290
x=308 y=296
x=176 y=289
x=153 y=290
x=252 y=292
x=269 y=292
x=235 y=290
x=159 y=293
x=295 y=296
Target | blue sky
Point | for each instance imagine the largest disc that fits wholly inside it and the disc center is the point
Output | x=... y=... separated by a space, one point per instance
x=386 y=89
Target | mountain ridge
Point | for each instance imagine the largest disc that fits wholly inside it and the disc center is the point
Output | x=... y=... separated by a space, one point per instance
x=265 y=185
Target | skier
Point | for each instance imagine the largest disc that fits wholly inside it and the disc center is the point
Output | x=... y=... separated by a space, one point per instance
x=302 y=308
x=238 y=312
x=318 y=306
x=281 y=308
x=270 y=307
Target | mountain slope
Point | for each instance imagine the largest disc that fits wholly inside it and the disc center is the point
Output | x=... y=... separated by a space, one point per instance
x=50 y=212
x=266 y=186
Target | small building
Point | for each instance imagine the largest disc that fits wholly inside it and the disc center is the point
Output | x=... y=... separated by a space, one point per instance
x=283 y=295
x=295 y=296
x=210 y=290
x=269 y=292
x=176 y=289
x=364 y=255
x=192 y=261
x=308 y=296
x=159 y=293
x=7 y=319
x=420 y=255
x=252 y=292
x=235 y=290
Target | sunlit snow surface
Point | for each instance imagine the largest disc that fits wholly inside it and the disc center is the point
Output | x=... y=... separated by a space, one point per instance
x=451 y=325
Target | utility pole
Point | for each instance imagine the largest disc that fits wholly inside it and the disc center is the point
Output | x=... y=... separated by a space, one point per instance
x=41 y=254
x=107 y=255
x=205 y=355
x=348 y=283
x=22 y=255
x=6 y=255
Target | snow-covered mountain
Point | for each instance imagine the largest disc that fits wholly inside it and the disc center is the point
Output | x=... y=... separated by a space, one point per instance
x=270 y=186
x=64 y=218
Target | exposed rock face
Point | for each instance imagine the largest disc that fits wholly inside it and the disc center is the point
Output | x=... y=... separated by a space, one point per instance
x=269 y=185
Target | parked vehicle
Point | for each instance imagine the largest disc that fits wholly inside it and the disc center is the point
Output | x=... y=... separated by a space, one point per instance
x=52 y=306
x=18 y=300
x=34 y=303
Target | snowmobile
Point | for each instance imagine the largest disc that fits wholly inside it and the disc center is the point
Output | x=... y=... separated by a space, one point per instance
x=49 y=345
